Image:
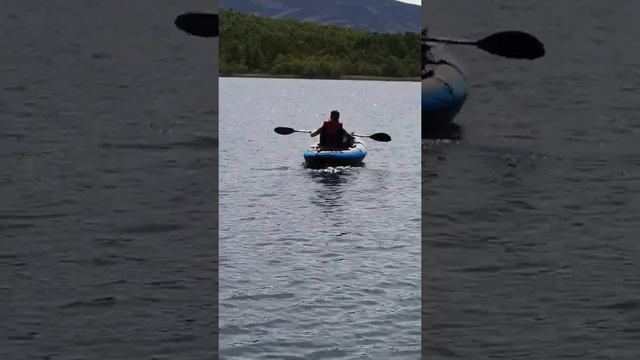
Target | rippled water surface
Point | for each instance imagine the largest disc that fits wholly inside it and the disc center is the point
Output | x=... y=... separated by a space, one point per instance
x=318 y=264
x=107 y=190
x=530 y=222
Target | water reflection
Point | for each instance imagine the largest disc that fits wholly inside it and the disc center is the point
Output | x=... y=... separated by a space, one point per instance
x=332 y=180
x=448 y=131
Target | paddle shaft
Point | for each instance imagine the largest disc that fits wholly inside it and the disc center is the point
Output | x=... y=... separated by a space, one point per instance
x=510 y=44
x=309 y=132
x=452 y=41
x=377 y=136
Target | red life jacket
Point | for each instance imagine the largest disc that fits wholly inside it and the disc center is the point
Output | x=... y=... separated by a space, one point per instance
x=331 y=133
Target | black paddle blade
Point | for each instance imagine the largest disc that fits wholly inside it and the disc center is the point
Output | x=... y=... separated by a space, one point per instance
x=198 y=24
x=381 y=137
x=513 y=44
x=284 y=130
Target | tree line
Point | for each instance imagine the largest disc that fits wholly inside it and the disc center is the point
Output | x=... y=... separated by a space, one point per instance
x=257 y=45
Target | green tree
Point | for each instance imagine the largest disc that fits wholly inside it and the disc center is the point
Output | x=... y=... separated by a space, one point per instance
x=252 y=44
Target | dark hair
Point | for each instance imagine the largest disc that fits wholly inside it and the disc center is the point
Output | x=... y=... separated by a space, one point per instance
x=335 y=113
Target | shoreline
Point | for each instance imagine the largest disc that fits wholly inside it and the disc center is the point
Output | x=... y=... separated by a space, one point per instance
x=344 y=77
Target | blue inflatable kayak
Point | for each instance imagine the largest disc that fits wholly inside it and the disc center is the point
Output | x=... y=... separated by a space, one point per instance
x=444 y=90
x=317 y=157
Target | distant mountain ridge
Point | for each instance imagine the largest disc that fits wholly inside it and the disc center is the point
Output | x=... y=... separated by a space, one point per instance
x=384 y=16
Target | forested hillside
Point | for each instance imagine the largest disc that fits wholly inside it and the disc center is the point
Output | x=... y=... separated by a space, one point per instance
x=384 y=16
x=256 y=45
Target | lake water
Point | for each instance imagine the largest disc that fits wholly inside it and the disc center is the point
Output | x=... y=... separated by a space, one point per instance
x=318 y=264
x=108 y=144
x=530 y=222
x=108 y=141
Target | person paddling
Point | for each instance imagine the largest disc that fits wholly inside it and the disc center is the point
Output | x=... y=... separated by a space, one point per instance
x=332 y=134
x=427 y=55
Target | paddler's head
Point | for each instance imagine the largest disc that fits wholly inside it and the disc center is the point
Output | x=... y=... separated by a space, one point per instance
x=335 y=115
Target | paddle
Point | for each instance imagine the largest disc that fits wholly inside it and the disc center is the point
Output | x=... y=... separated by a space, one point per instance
x=198 y=24
x=510 y=44
x=377 y=136
x=287 y=131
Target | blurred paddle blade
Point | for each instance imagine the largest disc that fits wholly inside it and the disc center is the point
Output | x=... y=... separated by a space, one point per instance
x=198 y=24
x=513 y=44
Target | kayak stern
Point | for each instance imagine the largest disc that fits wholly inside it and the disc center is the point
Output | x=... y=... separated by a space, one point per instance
x=316 y=158
x=444 y=91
